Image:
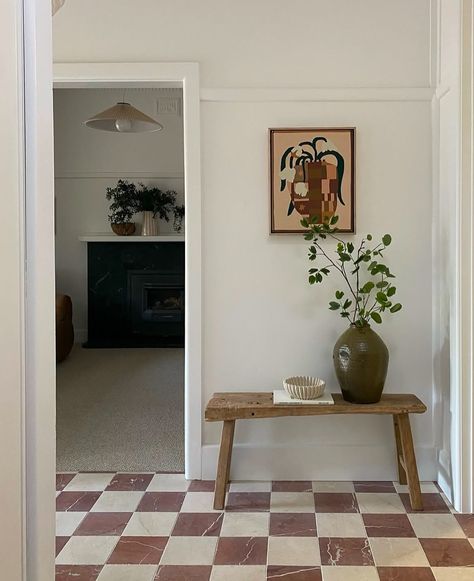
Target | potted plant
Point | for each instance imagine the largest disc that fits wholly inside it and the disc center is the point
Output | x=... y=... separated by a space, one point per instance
x=360 y=356
x=122 y=208
x=178 y=218
x=154 y=202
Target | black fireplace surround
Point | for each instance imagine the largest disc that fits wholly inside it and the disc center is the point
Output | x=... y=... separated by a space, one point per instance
x=135 y=294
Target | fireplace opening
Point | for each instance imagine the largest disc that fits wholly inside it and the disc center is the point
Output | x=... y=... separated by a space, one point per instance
x=156 y=302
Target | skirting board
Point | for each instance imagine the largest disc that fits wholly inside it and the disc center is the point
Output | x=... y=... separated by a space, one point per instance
x=251 y=462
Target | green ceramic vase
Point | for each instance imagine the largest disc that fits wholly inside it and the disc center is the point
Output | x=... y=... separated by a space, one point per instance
x=361 y=361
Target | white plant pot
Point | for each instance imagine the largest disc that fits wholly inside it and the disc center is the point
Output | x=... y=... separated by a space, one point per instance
x=150 y=225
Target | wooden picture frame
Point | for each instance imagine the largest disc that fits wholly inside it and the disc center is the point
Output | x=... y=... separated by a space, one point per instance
x=312 y=173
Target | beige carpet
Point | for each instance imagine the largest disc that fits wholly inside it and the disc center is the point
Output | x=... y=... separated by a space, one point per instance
x=121 y=410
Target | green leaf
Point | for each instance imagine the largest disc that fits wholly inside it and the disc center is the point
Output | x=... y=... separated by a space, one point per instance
x=381 y=297
x=350 y=247
x=334 y=220
x=397 y=307
x=344 y=314
x=382 y=284
x=333 y=306
x=368 y=286
x=312 y=279
x=344 y=257
x=391 y=291
x=325 y=271
x=319 y=277
x=339 y=295
x=387 y=239
x=308 y=236
x=347 y=304
x=304 y=222
x=376 y=317
x=369 y=237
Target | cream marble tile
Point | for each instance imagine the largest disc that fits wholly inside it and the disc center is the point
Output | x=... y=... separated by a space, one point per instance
x=153 y=524
x=293 y=551
x=391 y=552
x=239 y=573
x=380 y=503
x=340 y=525
x=117 y=502
x=168 y=483
x=89 y=482
x=426 y=487
x=127 y=573
x=292 y=502
x=327 y=486
x=91 y=550
x=189 y=551
x=453 y=573
x=67 y=522
x=350 y=573
x=246 y=486
x=436 y=526
x=198 y=502
x=245 y=524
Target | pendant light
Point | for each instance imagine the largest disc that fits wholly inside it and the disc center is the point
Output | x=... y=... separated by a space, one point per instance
x=123 y=118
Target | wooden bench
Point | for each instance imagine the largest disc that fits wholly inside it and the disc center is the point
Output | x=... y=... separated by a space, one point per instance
x=229 y=407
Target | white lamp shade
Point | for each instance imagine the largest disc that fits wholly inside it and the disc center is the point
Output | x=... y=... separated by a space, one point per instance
x=123 y=118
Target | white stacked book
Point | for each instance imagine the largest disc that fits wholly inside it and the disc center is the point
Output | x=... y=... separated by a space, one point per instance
x=280 y=397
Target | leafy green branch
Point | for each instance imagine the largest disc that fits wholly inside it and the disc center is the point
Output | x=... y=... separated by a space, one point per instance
x=370 y=290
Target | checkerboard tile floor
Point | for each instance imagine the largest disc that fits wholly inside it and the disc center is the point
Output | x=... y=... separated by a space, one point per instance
x=159 y=527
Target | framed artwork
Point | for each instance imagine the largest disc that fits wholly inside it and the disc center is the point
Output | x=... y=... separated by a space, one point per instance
x=312 y=173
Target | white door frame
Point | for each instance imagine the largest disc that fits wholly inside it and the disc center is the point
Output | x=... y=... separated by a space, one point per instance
x=462 y=428
x=80 y=75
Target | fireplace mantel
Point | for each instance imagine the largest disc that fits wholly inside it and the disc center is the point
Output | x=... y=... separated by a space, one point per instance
x=115 y=238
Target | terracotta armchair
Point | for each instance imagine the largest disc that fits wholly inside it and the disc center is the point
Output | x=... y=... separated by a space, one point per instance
x=64 y=327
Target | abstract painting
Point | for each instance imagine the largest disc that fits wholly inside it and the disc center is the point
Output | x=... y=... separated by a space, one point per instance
x=312 y=173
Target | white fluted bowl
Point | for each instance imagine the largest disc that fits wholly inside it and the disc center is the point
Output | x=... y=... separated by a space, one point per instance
x=304 y=387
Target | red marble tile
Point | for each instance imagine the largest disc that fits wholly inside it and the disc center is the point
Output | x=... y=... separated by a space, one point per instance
x=432 y=503
x=336 y=502
x=76 y=501
x=63 y=480
x=77 y=572
x=129 y=482
x=405 y=574
x=292 y=486
x=241 y=551
x=280 y=572
x=345 y=551
x=248 y=501
x=448 y=552
x=60 y=542
x=161 y=502
x=103 y=523
x=466 y=522
x=206 y=524
x=201 y=486
x=138 y=551
x=388 y=525
x=183 y=572
x=292 y=524
x=367 y=486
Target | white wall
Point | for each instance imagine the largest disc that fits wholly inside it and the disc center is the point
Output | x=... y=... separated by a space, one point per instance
x=261 y=320
x=88 y=161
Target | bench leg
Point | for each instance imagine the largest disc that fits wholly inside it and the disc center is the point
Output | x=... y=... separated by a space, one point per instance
x=410 y=462
x=402 y=475
x=223 y=467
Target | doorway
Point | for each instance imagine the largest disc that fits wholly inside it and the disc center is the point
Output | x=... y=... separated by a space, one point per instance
x=120 y=383
x=184 y=77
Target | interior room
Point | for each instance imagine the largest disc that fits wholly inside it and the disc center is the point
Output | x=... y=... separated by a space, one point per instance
x=237 y=336
x=120 y=293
